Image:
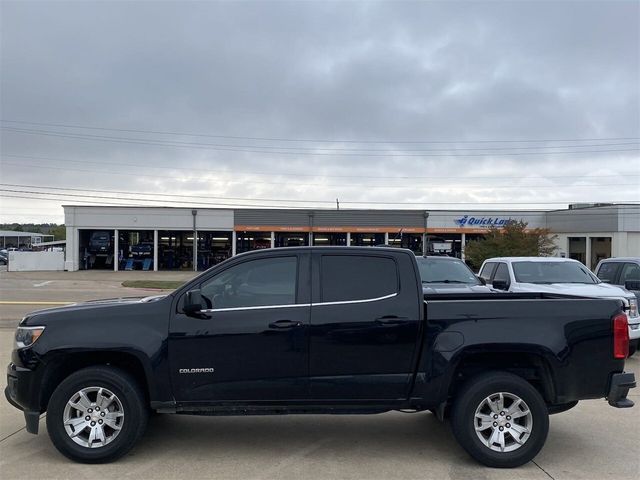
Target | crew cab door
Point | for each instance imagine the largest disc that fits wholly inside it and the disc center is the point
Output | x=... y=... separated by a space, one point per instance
x=249 y=344
x=365 y=320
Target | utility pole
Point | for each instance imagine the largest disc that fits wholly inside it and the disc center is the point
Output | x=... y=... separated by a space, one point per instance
x=425 y=237
x=194 y=245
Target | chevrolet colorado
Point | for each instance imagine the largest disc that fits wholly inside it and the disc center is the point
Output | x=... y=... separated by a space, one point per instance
x=343 y=330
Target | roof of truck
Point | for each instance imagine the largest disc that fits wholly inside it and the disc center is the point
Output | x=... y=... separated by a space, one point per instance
x=332 y=248
x=530 y=259
x=621 y=259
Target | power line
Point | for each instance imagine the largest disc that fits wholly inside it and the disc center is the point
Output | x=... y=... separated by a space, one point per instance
x=116 y=198
x=324 y=149
x=175 y=144
x=35 y=214
x=271 y=139
x=75 y=195
x=155 y=194
x=379 y=177
x=432 y=214
x=118 y=204
x=327 y=185
x=190 y=197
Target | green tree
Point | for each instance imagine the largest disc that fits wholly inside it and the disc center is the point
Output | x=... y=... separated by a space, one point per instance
x=512 y=240
x=59 y=232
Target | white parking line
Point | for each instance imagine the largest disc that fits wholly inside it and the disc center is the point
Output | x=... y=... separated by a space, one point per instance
x=43 y=283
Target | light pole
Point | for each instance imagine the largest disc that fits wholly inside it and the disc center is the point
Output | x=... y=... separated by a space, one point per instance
x=425 y=237
x=194 y=245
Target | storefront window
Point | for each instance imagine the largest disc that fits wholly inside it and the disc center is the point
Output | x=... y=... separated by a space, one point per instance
x=600 y=249
x=412 y=241
x=246 y=241
x=213 y=248
x=445 y=244
x=367 y=239
x=325 y=239
x=292 y=239
x=578 y=249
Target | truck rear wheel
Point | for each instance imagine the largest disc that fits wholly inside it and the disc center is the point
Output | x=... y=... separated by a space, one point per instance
x=500 y=419
x=96 y=415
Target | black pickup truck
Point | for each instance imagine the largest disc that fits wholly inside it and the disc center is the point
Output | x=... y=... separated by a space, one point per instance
x=343 y=330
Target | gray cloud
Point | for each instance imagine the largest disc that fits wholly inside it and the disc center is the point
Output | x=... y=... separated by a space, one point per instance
x=319 y=70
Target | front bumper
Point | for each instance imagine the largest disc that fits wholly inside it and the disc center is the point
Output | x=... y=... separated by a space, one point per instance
x=620 y=385
x=23 y=393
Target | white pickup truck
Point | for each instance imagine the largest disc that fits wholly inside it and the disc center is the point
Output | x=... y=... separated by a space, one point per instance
x=558 y=275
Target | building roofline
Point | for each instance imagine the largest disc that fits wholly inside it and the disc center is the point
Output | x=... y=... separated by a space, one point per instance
x=304 y=209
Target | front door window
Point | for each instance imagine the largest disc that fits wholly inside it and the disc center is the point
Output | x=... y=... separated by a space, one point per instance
x=264 y=282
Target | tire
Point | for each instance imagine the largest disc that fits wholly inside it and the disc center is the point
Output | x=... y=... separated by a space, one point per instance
x=123 y=418
x=482 y=392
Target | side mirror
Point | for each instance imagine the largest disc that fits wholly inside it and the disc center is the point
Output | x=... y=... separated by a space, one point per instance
x=192 y=302
x=500 y=285
x=482 y=280
x=632 y=284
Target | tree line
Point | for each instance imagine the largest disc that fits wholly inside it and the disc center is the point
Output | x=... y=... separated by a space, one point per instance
x=58 y=231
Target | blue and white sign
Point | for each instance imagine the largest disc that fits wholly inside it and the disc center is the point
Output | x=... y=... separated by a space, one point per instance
x=480 y=222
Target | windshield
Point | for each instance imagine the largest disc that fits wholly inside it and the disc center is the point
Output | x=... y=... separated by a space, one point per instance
x=552 y=272
x=435 y=270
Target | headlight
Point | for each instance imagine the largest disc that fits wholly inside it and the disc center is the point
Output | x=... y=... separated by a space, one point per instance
x=633 y=307
x=27 y=336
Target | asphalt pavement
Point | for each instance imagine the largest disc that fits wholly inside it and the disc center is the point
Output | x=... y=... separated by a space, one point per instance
x=591 y=441
x=23 y=292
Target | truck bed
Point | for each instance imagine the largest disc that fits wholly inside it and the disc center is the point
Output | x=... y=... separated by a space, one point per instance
x=567 y=335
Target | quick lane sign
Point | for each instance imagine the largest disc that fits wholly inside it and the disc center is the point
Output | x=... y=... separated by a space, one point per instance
x=482 y=222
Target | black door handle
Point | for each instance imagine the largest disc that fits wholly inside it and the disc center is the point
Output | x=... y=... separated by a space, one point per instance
x=280 y=324
x=391 y=320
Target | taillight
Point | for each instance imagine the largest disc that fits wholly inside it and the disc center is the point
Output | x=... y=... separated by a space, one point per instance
x=620 y=336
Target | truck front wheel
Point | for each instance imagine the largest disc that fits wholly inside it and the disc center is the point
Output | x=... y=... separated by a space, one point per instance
x=96 y=415
x=500 y=419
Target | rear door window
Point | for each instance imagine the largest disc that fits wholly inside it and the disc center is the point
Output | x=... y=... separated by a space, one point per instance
x=630 y=271
x=608 y=272
x=502 y=273
x=487 y=271
x=354 y=277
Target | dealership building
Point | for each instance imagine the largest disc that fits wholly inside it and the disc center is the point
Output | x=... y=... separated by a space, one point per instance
x=168 y=238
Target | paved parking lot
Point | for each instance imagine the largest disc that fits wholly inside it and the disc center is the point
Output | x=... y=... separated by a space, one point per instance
x=22 y=292
x=592 y=441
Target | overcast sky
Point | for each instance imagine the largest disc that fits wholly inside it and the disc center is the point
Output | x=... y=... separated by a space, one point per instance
x=315 y=101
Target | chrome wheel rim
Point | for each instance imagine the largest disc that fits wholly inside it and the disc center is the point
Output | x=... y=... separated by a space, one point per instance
x=503 y=422
x=93 y=417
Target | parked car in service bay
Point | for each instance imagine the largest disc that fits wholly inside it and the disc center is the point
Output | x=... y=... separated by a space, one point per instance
x=336 y=330
x=441 y=274
x=558 y=275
